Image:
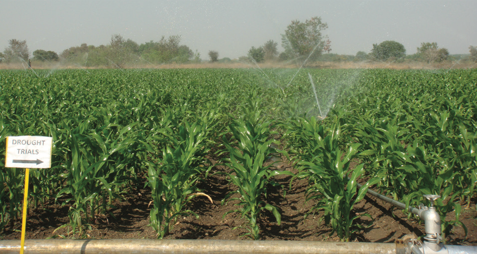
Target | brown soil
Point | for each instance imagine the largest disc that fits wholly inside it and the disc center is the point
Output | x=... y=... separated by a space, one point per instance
x=129 y=218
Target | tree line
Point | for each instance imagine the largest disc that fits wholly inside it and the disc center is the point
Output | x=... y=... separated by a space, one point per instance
x=302 y=42
x=118 y=53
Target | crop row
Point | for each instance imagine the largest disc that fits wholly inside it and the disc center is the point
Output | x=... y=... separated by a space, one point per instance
x=409 y=132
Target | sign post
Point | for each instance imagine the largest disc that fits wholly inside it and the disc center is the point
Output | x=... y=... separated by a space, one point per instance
x=27 y=152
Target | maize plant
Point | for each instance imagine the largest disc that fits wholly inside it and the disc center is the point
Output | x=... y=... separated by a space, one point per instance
x=110 y=128
x=433 y=181
x=96 y=173
x=247 y=156
x=174 y=177
x=327 y=170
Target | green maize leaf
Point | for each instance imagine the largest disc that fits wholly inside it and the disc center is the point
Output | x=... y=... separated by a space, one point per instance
x=275 y=212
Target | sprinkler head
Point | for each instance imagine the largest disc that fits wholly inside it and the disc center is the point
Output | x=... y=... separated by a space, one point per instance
x=432 y=198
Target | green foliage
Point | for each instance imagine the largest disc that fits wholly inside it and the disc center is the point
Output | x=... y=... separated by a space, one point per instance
x=270 y=50
x=17 y=51
x=77 y=55
x=173 y=179
x=473 y=53
x=42 y=55
x=196 y=57
x=430 y=52
x=283 y=57
x=251 y=177
x=248 y=151
x=361 y=56
x=121 y=53
x=335 y=58
x=165 y=51
x=111 y=128
x=304 y=39
x=327 y=169
x=256 y=54
x=118 y=54
x=214 y=56
x=387 y=50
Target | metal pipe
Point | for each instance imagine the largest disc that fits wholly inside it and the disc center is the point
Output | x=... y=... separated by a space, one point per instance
x=392 y=201
x=415 y=250
x=431 y=219
x=65 y=246
x=458 y=249
x=445 y=249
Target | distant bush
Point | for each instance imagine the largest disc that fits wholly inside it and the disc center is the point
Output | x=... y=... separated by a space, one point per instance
x=225 y=60
x=42 y=55
x=214 y=56
x=256 y=54
x=473 y=53
x=270 y=50
x=335 y=58
x=304 y=39
x=430 y=52
x=388 y=49
x=121 y=52
x=361 y=56
x=17 y=51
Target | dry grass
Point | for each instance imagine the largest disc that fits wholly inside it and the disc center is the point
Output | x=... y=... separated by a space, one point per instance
x=321 y=65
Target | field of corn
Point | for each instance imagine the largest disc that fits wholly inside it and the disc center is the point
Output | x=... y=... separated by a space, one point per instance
x=401 y=133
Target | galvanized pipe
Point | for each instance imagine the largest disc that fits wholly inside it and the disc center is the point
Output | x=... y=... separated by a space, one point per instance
x=194 y=246
x=427 y=246
x=392 y=201
x=458 y=249
x=445 y=249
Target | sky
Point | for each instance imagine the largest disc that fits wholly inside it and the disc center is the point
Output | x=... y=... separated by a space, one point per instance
x=232 y=27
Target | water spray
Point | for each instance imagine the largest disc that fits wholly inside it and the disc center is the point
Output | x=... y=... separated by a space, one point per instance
x=23 y=61
x=303 y=64
x=117 y=66
x=263 y=72
x=316 y=97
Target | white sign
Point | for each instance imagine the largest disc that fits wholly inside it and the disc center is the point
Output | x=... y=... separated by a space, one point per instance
x=28 y=152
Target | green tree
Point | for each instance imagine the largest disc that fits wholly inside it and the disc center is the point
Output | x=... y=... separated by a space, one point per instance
x=1 y=57
x=256 y=54
x=270 y=50
x=98 y=56
x=184 y=54
x=443 y=54
x=74 y=52
x=473 y=53
x=118 y=51
x=165 y=50
x=80 y=55
x=388 y=50
x=430 y=52
x=196 y=57
x=327 y=46
x=131 y=46
x=361 y=56
x=214 y=56
x=16 y=51
x=283 y=57
x=42 y=55
x=304 y=39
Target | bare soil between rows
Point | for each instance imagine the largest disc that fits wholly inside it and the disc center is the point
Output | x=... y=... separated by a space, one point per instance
x=130 y=218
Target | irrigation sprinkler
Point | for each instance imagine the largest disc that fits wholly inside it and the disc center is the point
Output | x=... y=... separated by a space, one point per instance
x=432 y=226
